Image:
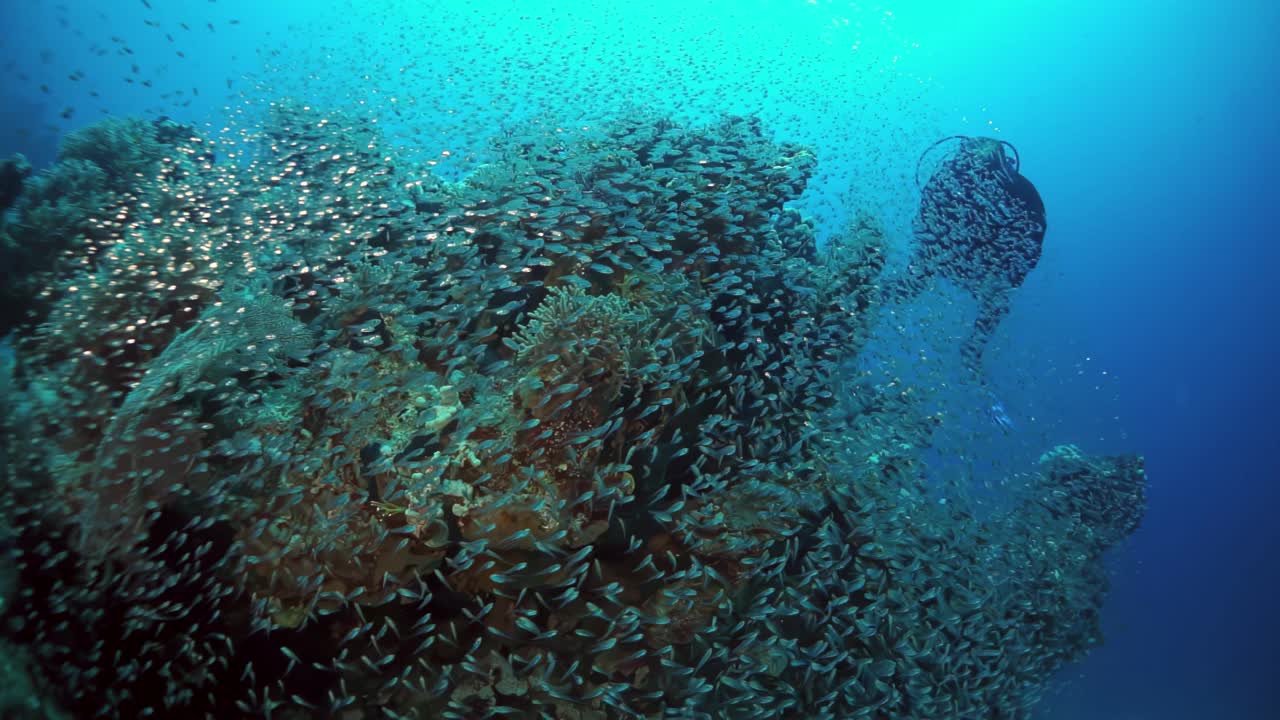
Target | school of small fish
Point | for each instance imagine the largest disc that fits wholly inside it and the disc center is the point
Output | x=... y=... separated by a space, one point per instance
x=297 y=424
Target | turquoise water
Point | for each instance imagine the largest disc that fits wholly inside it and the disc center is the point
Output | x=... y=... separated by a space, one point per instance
x=1148 y=326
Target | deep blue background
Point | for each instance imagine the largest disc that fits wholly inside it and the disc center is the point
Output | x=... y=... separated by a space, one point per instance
x=1151 y=129
x=1152 y=324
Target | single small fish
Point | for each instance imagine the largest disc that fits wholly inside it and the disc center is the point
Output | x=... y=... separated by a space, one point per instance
x=998 y=416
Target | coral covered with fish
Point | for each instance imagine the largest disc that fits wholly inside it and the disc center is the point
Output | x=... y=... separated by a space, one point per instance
x=307 y=431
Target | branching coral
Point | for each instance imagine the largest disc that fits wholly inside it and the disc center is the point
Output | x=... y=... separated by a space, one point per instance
x=109 y=180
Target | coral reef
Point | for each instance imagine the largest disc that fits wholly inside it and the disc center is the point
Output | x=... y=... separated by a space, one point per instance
x=107 y=181
x=569 y=438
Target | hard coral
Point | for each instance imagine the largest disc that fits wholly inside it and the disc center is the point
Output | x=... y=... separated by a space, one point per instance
x=108 y=180
x=560 y=440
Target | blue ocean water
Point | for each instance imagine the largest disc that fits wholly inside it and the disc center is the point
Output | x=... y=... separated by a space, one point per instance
x=1150 y=326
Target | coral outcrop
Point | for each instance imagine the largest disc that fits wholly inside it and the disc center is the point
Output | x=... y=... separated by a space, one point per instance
x=569 y=438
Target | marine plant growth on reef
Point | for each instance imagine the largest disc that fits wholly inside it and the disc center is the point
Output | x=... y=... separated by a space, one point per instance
x=299 y=430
